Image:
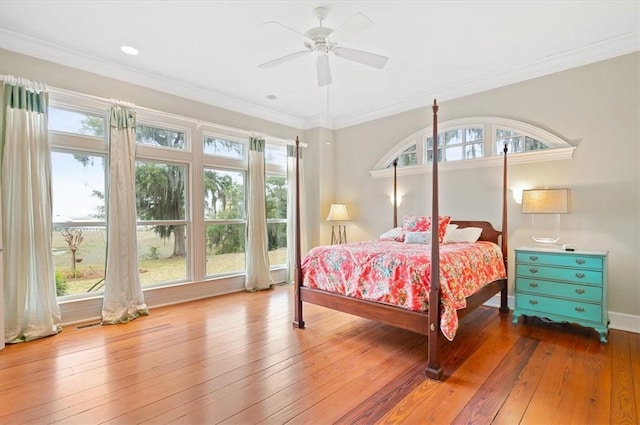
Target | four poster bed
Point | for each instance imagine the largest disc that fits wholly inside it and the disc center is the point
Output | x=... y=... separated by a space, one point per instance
x=464 y=276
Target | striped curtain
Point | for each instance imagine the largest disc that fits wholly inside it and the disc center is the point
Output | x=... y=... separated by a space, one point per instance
x=28 y=279
x=258 y=275
x=123 y=299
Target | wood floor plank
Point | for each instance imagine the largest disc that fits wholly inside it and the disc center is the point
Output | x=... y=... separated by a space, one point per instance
x=236 y=359
x=490 y=397
x=439 y=402
x=634 y=355
x=623 y=403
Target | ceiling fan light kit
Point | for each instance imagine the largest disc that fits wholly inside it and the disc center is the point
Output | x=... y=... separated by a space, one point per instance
x=323 y=41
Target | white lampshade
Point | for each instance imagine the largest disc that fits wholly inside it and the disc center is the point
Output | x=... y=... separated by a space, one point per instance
x=338 y=212
x=546 y=201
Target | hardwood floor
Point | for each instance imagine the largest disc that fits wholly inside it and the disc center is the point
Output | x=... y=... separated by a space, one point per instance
x=237 y=359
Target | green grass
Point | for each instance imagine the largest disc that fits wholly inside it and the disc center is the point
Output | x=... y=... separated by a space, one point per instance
x=153 y=271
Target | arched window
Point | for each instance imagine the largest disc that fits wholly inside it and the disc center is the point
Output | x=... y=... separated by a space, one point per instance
x=473 y=142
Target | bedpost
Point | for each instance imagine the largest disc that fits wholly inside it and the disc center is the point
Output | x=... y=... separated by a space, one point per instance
x=434 y=370
x=298 y=322
x=504 y=305
x=395 y=193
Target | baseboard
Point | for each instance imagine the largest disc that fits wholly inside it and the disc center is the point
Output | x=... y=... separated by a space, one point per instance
x=618 y=321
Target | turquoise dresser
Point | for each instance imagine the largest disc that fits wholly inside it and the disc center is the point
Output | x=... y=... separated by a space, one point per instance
x=563 y=286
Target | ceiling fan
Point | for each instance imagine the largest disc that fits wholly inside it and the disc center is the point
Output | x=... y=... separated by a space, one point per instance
x=324 y=40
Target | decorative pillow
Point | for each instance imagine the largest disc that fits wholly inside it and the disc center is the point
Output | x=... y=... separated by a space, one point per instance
x=449 y=232
x=415 y=223
x=468 y=234
x=394 y=234
x=417 y=237
x=421 y=223
x=443 y=222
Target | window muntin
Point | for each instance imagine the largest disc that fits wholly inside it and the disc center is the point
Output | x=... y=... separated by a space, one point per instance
x=217 y=146
x=517 y=142
x=479 y=144
x=407 y=158
x=160 y=137
x=461 y=143
x=161 y=204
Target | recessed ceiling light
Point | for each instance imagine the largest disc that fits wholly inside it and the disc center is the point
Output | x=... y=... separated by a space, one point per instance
x=129 y=50
x=272 y=97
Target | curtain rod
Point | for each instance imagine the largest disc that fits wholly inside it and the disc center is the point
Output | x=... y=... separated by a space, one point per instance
x=198 y=123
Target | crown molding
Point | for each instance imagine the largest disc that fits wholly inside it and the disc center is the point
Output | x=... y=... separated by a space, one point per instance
x=56 y=53
x=606 y=49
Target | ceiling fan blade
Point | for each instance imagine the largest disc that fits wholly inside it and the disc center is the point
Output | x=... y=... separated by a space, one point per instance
x=360 y=56
x=283 y=59
x=352 y=26
x=288 y=28
x=324 y=72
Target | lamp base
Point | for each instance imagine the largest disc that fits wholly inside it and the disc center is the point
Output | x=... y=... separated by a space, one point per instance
x=338 y=234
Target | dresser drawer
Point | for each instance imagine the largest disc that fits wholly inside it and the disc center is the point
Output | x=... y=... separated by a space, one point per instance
x=559 y=289
x=577 y=310
x=565 y=260
x=557 y=273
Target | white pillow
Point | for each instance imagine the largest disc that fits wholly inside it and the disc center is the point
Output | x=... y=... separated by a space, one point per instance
x=468 y=234
x=392 y=235
x=449 y=231
x=417 y=237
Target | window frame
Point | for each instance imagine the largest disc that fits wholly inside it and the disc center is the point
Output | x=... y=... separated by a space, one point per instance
x=558 y=149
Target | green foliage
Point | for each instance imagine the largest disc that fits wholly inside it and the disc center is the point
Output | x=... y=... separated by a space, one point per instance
x=62 y=287
x=226 y=238
x=154 y=253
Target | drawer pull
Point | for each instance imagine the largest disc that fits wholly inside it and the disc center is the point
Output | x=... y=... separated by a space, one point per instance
x=533 y=270
x=534 y=302
x=580 y=261
x=533 y=284
x=580 y=275
x=580 y=291
x=580 y=309
x=533 y=257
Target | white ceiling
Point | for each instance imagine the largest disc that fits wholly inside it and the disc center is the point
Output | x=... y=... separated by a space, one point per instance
x=210 y=50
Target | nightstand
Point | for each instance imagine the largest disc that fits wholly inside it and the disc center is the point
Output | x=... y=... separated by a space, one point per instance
x=563 y=286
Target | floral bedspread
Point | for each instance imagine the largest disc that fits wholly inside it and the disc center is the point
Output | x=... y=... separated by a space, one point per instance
x=399 y=274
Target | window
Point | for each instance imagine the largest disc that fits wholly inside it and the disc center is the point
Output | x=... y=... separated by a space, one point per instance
x=408 y=157
x=223 y=147
x=78 y=196
x=225 y=221
x=170 y=220
x=276 y=199
x=162 y=137
x=162 y=230
x=462 y=143
x=76 y=122
x=474 y=142
x=517 y=142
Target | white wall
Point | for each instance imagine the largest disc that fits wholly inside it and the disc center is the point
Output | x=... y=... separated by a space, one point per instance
x=595 y=107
